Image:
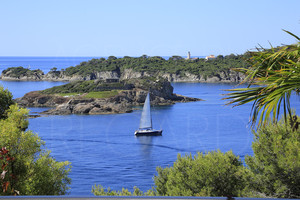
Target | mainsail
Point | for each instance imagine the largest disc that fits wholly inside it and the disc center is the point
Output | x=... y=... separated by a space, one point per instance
x=146 y=120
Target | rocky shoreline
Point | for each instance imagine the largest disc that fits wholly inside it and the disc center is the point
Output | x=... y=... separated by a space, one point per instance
x=38 y=75
x=121 y=103
x=161 y=93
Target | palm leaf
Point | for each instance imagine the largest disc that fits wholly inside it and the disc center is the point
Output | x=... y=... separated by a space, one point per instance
x=276 y=72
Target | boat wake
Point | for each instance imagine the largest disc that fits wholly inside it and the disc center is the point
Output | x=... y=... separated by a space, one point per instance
x=119 y=143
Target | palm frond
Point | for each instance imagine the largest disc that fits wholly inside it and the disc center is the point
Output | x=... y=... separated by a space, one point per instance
x=276 y=74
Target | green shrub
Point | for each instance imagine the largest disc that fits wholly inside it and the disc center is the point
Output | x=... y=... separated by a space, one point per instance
x=5 y=101
x=99 y=190
x=211 y=174
x=27 y=168
x=276 y=161
x=101 y=94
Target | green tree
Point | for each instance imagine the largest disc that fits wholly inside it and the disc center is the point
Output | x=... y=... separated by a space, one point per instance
x=211 y=174
x=220 y=57
x=231 y=56
x=5 y=101
x=275 y=75
x=176 y=58
x=31 y=170
x=112 y=58
x=53 y=69
x=276 y=161
x=144 y=56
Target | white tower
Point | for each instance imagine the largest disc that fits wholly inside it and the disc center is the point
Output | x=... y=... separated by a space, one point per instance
x=188 y=56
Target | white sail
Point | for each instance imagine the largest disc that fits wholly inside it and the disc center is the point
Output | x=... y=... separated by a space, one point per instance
x=146 y=120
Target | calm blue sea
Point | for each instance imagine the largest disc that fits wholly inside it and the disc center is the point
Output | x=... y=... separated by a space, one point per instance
x=103 y=149
x=43 y=63
x=46 y=63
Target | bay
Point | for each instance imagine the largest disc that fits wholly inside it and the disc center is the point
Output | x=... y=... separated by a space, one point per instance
x=103 y=149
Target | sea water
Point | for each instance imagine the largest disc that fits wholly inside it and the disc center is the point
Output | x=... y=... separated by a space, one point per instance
x=43 y=63
x=103 y=149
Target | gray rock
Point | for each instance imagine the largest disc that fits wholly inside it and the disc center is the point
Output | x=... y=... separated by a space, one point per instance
x=82 y=108
x=228 y=76
x=161 y=93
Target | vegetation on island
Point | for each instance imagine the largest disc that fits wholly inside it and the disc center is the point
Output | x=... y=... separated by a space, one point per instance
x=27 y=168
x=95 y=95
x=273 y=170
x=173 y=65
x=85 y=87
x=102 y=94
x=17 y=72
x=219 y=66
x=104 y=89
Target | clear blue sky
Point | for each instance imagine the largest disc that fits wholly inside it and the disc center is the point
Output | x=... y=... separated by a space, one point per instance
x=137 y=27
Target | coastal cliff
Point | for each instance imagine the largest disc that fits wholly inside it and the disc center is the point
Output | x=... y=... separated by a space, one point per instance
x=230 y=77
x=99 y=97
x=38 y=75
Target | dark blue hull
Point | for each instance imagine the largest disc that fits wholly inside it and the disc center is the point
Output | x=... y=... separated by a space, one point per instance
x=148 y=133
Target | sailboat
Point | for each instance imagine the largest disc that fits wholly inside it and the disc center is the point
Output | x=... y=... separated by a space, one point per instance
x=145 y=128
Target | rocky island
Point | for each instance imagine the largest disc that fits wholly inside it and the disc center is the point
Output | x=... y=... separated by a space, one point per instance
x=116 y=85
x=103 y=97
x=175 y=69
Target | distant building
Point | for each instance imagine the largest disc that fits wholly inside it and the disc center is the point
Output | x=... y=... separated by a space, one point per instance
x=210 y=57
x=189 y=57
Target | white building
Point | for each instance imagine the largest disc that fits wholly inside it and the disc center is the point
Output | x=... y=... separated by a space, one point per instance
x=210 y=57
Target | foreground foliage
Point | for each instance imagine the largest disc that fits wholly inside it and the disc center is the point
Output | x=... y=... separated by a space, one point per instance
x=275 y=73
x=276 y=161
x=211 y=174
x=27 y=168
x=5 y=101
x=99 y=190
x=273 y=170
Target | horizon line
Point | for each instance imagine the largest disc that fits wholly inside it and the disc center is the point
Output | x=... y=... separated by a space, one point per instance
x=107 y=56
